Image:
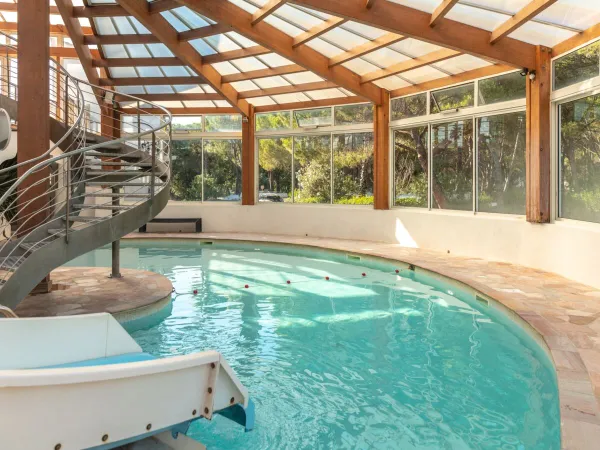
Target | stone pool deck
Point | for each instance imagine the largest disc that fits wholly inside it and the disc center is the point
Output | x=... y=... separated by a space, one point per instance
x=88 y=290
x=565 y=314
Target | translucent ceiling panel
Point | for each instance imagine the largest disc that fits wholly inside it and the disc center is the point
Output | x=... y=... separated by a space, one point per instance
x=539 y=34
x=241 y=40
x=290 y=30
x=299 y=18
x=423 y=74
x=162 y=89
x=104 y=25
x=150 y=72
x=261 y=101
x=303 y=77
x=141 y=29
x=221 y=104
x=189 y=17
x=159 y=50
x=246 y=6
x=175 y=71
x=271 y=82
x=188 y=89
x=131 y=90
x=325 y=94
x=360 y=66
x=242 y=86
x=124 y=26
x=202 y=47
x=385 y=57
x=423 y=5
x=115 y=51
x=344 y=39
x=122 y=72
x=392 y=83
x=198 y=104
x=580 y=14
x=225 y=68
x=325 y=48
x=414 y=48
x=274 y=60
x=221 y=43
x=291 y=98
x=174 y=21
x=249 y=64
x=169 y=104
x=462 y=63
x=138 y=51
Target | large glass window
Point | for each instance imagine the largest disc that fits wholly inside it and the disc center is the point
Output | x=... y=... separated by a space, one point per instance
x=503 y=88
x=186 y=181
x=223 y=123
x=580 y=159
x=311 y=118
x=312 y=169
x=452 y=98
x=577 y=66
x=353 y=114
x=187 y=123
x=501 y=163
x=410 y=166
x=273 y=121
x=452 y=165
x=407 y=107
x=206 y=169
x=222 y=169
x=275 y=169
x=353 y=168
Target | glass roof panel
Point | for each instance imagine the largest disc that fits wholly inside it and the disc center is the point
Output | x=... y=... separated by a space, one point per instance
x=131 y=90
x=141 y=29
x=290 y=30
x=174 y=21
x=221 y=43
x=188 y=88
x=539 y=34
x=138 y=51
x=291 y=98
x=161 y=89
x=365 y=31
x=462 y=63
x=385 y=57
x=414 y=48
x=225 y=68
x=123 y=25
x=104 y=25
x=324 y=48
x=242 y=86
x=122 y=72
x=249 y=64
x=241 y=40
x=274 y=60
x=175 y=71
x=360 y=66
x=159 y=50
x=245 y=5
x=115 y=51
x=221 y=104
x=198 y=104
x=190 y=18
x=423 y=74
x=298 y=17
x=325 y=94
x=344 y=39
x=261 y=101
x=392 y=83
x=202 y=47
x=266 y=83
x=150 y=71
x=303 y=77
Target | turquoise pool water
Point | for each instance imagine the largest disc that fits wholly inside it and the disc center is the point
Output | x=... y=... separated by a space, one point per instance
x=386 y=360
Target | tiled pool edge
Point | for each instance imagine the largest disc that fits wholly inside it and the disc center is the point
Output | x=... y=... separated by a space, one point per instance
x=540 y=300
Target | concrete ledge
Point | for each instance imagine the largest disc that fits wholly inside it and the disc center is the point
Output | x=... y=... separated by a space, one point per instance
x=87 y=290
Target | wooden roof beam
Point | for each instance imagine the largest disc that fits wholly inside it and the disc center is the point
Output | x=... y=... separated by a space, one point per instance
x=440 y=12
x=77 y=37
x=463 y=77
x=369 y=4
x=405 y=66
x=54 y=29
x=189 y=56
x=267 y=10
x=381 y=42
x=154 y=7
x=157 y=6
x=532 y=9
x=415 y=23
x=588 y=35
x=282 y=44
x=317 y=31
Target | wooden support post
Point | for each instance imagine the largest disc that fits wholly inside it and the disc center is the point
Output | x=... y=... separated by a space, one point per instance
x=33 y=135
x=248 y=160
x=538 y=138
x=381 y=188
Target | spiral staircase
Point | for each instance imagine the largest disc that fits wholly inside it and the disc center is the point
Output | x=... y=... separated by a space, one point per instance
x=88 y=189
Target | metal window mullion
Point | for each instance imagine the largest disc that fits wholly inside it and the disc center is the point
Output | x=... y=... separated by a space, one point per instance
x=430 y=167
x=331 y=168
x=202 y=174
x=475 y=165
x=293 y=169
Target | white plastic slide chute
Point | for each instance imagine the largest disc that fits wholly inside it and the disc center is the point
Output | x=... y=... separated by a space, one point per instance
x=82 y=382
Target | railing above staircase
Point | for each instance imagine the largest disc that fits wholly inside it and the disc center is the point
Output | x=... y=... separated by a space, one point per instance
x=103 y=164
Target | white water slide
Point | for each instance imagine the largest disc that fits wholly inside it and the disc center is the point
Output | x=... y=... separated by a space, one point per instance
x=81 y=382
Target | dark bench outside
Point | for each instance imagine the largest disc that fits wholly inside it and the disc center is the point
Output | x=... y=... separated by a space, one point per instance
x=197 y=222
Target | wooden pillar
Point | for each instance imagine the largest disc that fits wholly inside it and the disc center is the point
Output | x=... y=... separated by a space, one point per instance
x=538 y=139
x=381 y=188
x=33 y=135
x=248 y=160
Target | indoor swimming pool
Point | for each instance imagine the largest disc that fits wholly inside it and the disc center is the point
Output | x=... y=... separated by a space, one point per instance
x=341 y=351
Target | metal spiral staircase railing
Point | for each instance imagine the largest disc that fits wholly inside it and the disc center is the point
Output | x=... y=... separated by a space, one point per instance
x=88 y=189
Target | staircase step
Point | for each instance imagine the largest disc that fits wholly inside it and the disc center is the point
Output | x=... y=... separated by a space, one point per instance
x=32 y=246
x=119 y=194
x=11 y=262
x=118 y=163
x=107 y=207
x=56 y=231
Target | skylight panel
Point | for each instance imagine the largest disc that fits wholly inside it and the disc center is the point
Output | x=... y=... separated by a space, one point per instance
x=9 y=16
x=225 y=68
x=246 y=6
x=538 y=34
x=580 y=14
x=422 y=5
x=392 y=83
x=160 y=89
x=124 y=26
x=159 y=50
x=365 y=31
x=138 y=51
x=115 y=51
x=175 y=71
x=150 y=72
x=291 y=98
x=298 y=17
x=174 y=21
x=169 y=104
x=344 y=39
x=385 y=57
x=261 y=101
x=222 y=43
x=324 y=48
x=104 y=25
x=189 y=17
x=274 y=60
x=414 y=47
x=241 y=40
x=123 y=72
x=242 y=86
x=476 y=17
x=302 y=78
x=325 y=94
x=188 y=89
x=249 y=64
x=141 y=29
x=462 y=63
x=271 y=82
x=290 y=30
x=202 y=47
x=423 y=74
x=360 y=66
x=198 y=104
x=54 y=18
x=131 y=90
x=208 y=89
x=221 y=104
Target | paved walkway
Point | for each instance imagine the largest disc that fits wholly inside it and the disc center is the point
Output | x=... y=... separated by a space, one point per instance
x=566 y=314
x=87 y=290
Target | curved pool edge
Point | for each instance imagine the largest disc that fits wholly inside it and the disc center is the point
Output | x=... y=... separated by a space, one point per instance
x=562 y=316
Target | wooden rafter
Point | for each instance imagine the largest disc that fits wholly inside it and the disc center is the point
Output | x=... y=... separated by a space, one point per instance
x=77 y=37
x=528 y=12
x=54 y=29
x=181 y=96
x=160 y=27
x=89 y=12
x=55 y=52
x=405 y=66
x=12 y=7
x=369 y=4
x=157 y=6
x=414 y=23
x=204 y=32
x=282 y=44
x=151 y=81
x=317 y=86
x=463 y=77
x=255 y=50
x=264 y=73
x=565 y=46
x=317 y=31
x=267 y=10
x=440 y=12
x=381 y=42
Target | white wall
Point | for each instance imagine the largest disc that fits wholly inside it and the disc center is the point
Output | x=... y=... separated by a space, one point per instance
x=568 y=248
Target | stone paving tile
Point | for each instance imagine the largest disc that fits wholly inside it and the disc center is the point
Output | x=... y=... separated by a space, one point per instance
x=566 y=314
x=89 y=290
